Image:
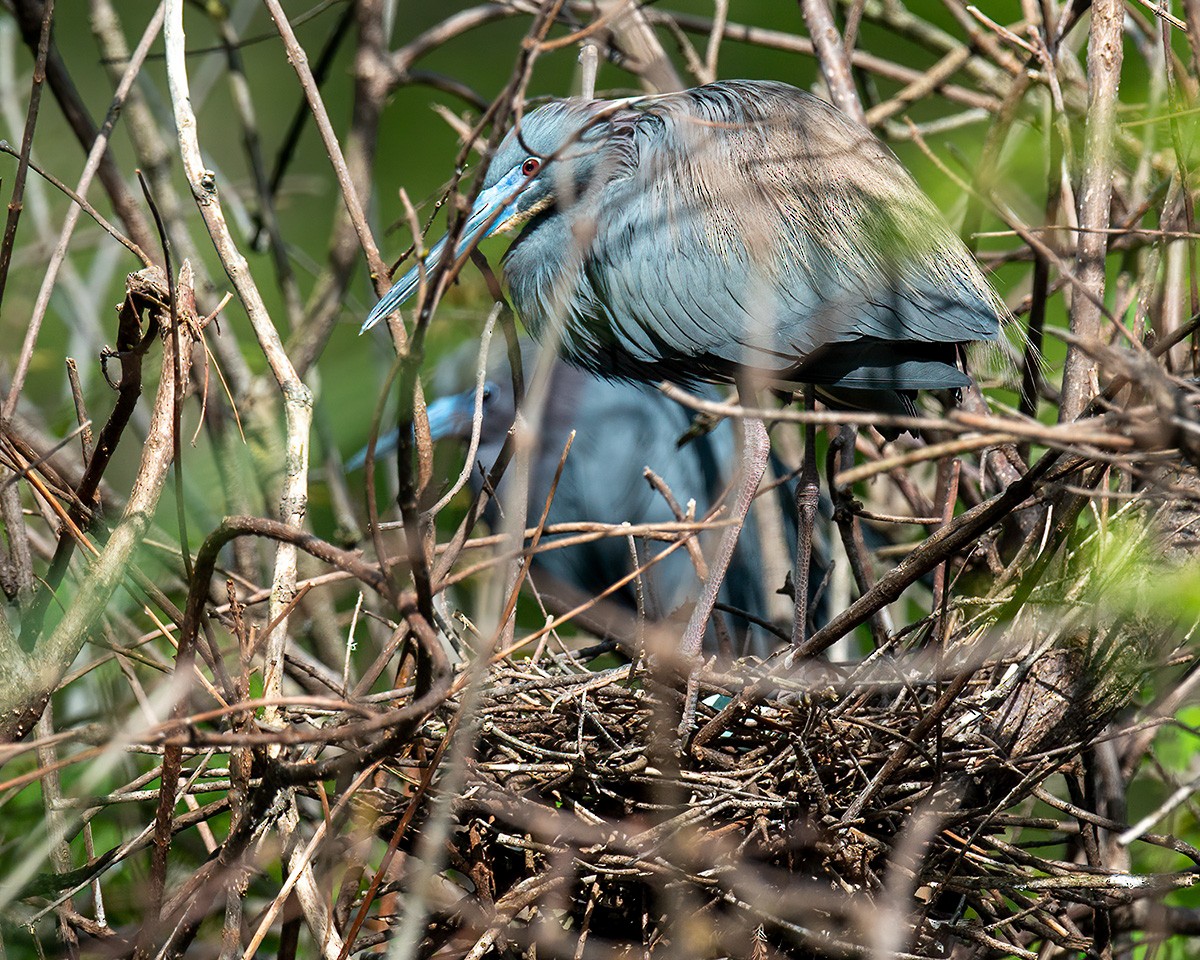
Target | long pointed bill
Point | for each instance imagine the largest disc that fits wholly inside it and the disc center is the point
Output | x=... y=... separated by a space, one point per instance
x=451 y=416
x=448 y=417
x=492 y=208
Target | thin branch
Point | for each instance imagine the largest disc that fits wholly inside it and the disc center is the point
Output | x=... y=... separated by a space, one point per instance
x=15 y=203
x=1105 y=54
x=95 y=156
x=832 y=56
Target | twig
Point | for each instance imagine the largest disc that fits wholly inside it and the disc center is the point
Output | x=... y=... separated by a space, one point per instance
x=57 y=652
x=841 y=454
x=301 y=117
x=297 y=399
x=299 y=61
x=589 y=61
x=15 y=203
x=95 y=156
x=631 y=28
x=145 y=292
x=485 y=339
x=778 y=40
x=333 y=946
x=962 y=530
x=1105 y=53
x=29 y=15
x=86 y=207
x=244 y=103
x=712 y=51
x=81 y=417
x=831 y=55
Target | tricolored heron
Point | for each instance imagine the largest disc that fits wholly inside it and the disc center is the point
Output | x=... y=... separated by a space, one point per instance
x=741 y=231
x=620 y=429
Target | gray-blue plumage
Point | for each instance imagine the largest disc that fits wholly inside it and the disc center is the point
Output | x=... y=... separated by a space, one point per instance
x=743 y=225
x=741 y=231
x=620 y=428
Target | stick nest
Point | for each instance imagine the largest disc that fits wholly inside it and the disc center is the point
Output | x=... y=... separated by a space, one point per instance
x=803 y=810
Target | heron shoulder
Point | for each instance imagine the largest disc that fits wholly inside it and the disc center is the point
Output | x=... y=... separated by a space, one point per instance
x=744 y=223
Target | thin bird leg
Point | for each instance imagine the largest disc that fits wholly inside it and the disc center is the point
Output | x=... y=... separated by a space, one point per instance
x=808 y=491
x=756 y=448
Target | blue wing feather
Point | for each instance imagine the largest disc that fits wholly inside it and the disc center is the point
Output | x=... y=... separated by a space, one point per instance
x=746 y=224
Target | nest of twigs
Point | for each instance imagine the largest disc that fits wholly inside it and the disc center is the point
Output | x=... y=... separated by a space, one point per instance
x=813 y=812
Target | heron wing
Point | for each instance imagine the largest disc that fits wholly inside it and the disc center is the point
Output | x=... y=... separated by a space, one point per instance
x=749 y=224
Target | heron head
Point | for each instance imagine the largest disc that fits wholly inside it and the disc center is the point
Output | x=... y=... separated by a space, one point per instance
x=546 y=158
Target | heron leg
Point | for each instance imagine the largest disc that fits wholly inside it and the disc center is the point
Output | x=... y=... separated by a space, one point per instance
x=808 y=491
x=756 y=448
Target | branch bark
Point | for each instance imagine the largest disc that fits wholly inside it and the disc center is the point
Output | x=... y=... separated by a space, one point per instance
x=832 y=56
x=1105 y=54
x=97 y=153
x=29 y=17
x=27 y=685
x=297 y=398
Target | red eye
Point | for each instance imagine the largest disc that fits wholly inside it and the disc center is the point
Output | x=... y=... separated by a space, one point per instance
x=531 y=166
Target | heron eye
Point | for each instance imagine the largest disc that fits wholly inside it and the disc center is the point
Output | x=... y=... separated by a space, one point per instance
x=531 y=166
